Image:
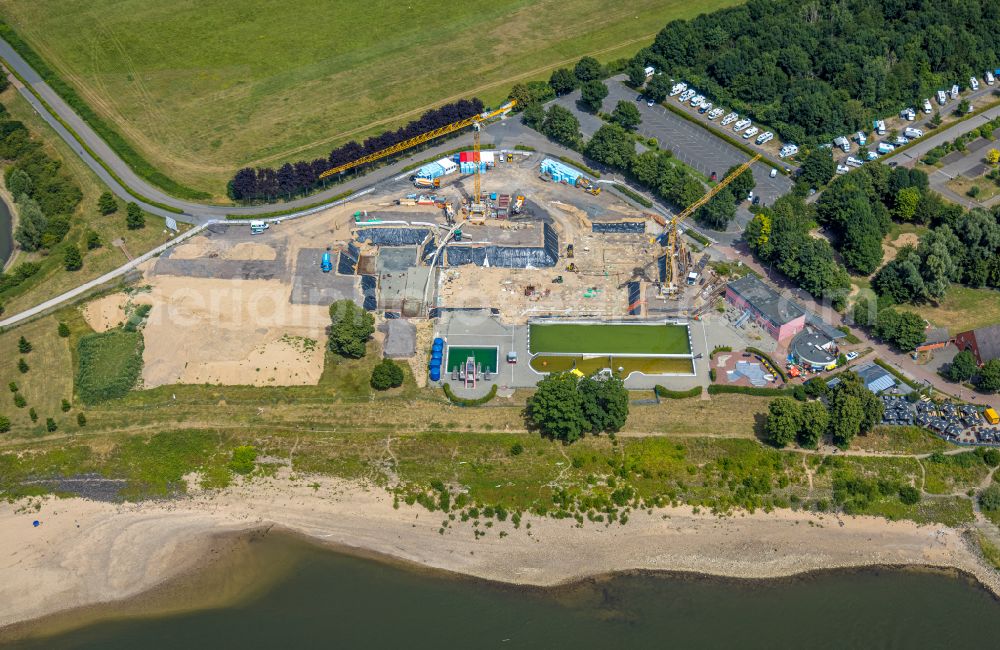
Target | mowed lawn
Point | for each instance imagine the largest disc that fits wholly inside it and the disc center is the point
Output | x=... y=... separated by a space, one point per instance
x=963 y=308
x=609 y=339
x=203 y=88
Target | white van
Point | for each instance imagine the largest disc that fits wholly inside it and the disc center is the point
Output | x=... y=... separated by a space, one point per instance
x=258 y=227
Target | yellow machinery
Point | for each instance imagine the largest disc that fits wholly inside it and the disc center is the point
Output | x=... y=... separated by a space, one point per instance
x=673 y=240
x=430 y=135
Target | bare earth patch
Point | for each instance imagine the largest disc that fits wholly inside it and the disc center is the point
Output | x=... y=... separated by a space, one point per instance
x=106 y=313
x=891 y=249
x=230 y=332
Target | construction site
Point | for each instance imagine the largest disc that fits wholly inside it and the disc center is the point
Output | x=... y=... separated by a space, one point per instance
x=501 y=236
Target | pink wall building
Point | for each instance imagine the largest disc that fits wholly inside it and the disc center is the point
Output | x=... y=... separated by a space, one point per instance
x=782 y=318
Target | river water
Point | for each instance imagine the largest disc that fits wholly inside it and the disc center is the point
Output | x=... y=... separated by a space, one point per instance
x=326 y=599
x=6 y=238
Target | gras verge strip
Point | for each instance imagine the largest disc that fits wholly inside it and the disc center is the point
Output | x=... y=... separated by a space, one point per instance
x=129 y=155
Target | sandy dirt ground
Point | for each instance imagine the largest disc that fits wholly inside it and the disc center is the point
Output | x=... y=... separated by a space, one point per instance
x=230 y=332
x=891 y=249
x=85 y=552
x=106 y=313
x=200 y=246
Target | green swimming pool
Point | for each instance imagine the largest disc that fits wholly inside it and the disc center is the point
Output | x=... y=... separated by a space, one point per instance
x=591 y=364
x=609 y=338
x=485 y=356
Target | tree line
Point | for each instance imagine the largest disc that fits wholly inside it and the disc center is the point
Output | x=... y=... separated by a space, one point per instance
x=45 y=195
x=292 y=179
x=815 y=70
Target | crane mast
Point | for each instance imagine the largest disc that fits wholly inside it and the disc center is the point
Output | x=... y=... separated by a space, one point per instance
x=673 y=241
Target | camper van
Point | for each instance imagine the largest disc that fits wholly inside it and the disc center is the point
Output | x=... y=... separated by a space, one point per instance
x=741 y=125
x=854 y=162
x=843 y=143
x=729 y=119
x=258 y=227
x=927 y=106
x=751 y=132
x=885 y=147
x=764 y=137
x=879 y=126
x=973 y=84
x=912 y=133
x=715 y=112
x=954 y=92
x=861 y=138
x=649 y=71
x=678 y=89
x=941 y=97
x=989 y=78
x=788 y=150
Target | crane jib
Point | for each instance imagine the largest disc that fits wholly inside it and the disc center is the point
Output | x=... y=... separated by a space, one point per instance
x=420 y=139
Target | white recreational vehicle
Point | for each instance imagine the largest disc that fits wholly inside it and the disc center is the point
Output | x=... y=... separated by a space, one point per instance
x=258 y=227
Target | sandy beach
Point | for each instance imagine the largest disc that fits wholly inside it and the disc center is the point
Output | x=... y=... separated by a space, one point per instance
x=84 y=553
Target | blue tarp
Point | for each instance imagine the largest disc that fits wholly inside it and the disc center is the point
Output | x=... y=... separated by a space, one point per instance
x=509 y=257
x=368 y=283
x=392 y=236
x=634 y=294
x=630 y=227
x=347 y=261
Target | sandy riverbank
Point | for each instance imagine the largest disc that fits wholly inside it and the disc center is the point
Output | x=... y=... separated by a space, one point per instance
x=84 y=553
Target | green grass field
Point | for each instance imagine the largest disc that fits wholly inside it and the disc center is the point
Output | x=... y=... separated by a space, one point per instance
x=487 y=357
x=600 y=338
x=110 y=363
x=200 y=89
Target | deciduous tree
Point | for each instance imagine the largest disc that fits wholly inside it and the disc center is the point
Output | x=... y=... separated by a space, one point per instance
x=556 y=408
x=592 y=94
x=626 y=115
x=784 y=420
x=351 y=326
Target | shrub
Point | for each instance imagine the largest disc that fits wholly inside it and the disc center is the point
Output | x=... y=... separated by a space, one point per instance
x=19 y=401
x=33 y=414
x=22 y=365
x=244 y=459
x=989 y=499
x=909 y=495
x=72 y=260
x=63 y=330
x=458 y=401
x=386 y=374
x=81 y=419
x=719 y=348
x=718 y=389
x=991 y=457
x=12 y=386
x=93 y=240
x=50 y=425
x=23 y=346
x=134 y=218
x=516 y=449
x=65 y=406
x=110 y=364
x=4 y=424
x=106 y=204
x=677 y=394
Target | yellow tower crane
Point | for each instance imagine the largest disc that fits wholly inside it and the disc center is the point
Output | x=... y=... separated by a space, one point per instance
x=674 y=238
x=475 y=120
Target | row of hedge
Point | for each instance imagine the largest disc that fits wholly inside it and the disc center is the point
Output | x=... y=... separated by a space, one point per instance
x=677 y=394
x=898 y=375
x=459 y=401
x=579 y=165
x=635 y=196
x=763 y=355
x=719 y=389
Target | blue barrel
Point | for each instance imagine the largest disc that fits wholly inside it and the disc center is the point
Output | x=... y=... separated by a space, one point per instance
x=436 y=354
x=439 y=342
x=435 y=373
